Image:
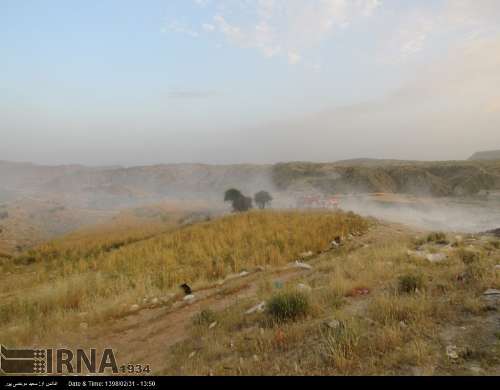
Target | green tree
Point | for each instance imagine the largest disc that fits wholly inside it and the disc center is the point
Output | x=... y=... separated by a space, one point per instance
x=232 y=194
x=242 y=204
x=262 y=198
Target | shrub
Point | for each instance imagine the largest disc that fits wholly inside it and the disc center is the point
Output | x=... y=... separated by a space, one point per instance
x=410 y=283
x=437 y=237
x=340 y=343
x=468 y=257
x=262 y=198
x=288 y=306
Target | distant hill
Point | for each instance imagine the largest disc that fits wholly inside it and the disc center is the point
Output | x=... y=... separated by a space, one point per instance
x=112 y=188
x=443 y=178
x=486 y=155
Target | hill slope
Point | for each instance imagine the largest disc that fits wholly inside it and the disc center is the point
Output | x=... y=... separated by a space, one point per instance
x=486 y=155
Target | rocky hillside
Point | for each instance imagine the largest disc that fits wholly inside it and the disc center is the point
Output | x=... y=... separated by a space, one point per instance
x=486 y=155
x=454 y=178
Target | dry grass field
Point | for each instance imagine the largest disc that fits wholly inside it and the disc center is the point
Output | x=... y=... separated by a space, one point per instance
x=371 y=307
x=386 y=300
x=103 y=272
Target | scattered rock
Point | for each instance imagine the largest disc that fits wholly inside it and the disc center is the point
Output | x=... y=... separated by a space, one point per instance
x=234 y=276
x=420 y=254
x=83 y=314
x=307 y=254
x=255 y=358
x=452 y=352
x=257 y=308
x=497 y=267
x=155 y=301
x=189 y=298
x=192 y=355
x=492 y=292
x=402 y=324
x=304 y=288
x=212 y=325
x=301 y=265
x=332 y=324
x=134 y=308
x=436 y=257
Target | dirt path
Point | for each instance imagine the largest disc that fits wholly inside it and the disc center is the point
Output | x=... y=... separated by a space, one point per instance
x=144 y=337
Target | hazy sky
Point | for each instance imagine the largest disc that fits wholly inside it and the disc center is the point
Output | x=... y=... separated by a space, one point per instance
x=227 y=81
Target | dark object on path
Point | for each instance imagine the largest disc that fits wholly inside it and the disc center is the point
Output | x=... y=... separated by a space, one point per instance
x=187 y=289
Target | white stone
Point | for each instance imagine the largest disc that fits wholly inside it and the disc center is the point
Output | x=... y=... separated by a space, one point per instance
x=333 y=324
x=304 y=287
x=189 y=298
x=257 y=308
x=420 y=254
x=451 y=351
x=301 y=265
x=134 y=308
x=491 y=291
x=212 y=325
x=436 y=257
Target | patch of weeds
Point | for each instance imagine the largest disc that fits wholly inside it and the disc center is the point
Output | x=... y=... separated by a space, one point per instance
x=340 y=343
x=331 y=299
x=468 y=257
x=438 y=238
x=205 y=317
x=288 y=306
x=408 y=284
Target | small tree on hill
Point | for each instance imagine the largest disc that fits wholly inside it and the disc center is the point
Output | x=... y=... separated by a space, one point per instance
x=232 y=194
x=242 y=204
x=239 y=201
x=262 y=198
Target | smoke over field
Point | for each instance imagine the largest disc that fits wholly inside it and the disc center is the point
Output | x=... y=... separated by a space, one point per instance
x=432 y=214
